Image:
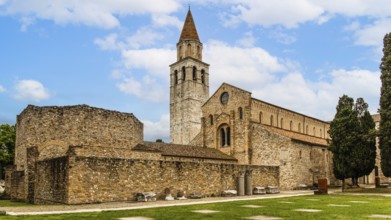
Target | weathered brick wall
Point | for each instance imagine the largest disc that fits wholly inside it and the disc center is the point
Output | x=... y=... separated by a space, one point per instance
x=51 y=181
x=109 y=179
x=73 y=125
x=299 y=163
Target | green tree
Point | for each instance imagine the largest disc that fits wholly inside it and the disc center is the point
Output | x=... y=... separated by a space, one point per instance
x=344 y=132
x=385 y=108
x=7 y=146
x=364 y=151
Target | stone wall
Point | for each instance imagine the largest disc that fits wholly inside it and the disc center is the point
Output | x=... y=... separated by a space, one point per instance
x=299 y=163
x=268 y=114
x=59 y=127
x=51 y=181
x=92 y=179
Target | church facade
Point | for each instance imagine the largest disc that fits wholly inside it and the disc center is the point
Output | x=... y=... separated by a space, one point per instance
x=229 y=140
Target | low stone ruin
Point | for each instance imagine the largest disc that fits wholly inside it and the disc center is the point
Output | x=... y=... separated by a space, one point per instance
x=227 y=193
x=272 y=190
x=258 y=190
x=146 y=196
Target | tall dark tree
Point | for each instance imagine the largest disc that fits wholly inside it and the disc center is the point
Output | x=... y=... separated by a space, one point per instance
x=385 y=108
x=344 y=132
x=364 y=151
x=7 y=146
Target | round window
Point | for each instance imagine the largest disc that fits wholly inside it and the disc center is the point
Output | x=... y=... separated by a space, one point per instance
x=224 y=98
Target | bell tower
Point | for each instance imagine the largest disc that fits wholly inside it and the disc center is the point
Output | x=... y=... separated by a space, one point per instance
x=189 y=85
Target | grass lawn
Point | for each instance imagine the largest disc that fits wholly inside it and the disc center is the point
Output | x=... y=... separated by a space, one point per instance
x=332 y=207
x=8 y=203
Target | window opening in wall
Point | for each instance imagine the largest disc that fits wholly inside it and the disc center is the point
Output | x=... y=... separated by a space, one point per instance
x=291 y=125
x=225 y=136
x=320 y=132
x=271 y=120
x=300 y=154
x=202 y=76
x=299 y=127
x=282 y=123
x=314 y=131
x=194 y=73
x=306 y=129
x=211 y=119
x=176 y=76
x=180 y=52
x=183 y=73
x=240 y=113
x=260 y=117
x=188 y=52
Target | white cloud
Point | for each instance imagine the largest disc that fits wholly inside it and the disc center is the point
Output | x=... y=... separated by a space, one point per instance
x=163 y=20
x=282 y=37
x=2 y=89
x=97 y=13
x=143 y=37
x=110 y=42
x=289 y=13
x=31 y=90
x=373 y=34
x=319 y=99
x=247 y=41
x=154 y=60
x=157 y=130
x=230 y=64
x=146 y=89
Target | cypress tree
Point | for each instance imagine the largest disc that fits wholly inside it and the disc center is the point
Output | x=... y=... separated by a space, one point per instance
x=385 y=108
x=364 y=151
x=344 y=135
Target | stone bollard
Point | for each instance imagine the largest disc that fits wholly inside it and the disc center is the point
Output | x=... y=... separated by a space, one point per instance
x=249 y=185
x=241 y=184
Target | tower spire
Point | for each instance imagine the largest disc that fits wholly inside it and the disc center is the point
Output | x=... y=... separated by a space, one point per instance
x=189 y=30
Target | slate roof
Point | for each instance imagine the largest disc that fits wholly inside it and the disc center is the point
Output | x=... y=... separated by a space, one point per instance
x=177 y=150
x=189 y=30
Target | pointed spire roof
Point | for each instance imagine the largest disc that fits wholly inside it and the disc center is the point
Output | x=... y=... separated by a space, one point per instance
x=189 y=31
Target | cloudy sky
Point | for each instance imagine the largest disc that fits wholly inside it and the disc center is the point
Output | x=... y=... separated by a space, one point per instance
x=298 y=54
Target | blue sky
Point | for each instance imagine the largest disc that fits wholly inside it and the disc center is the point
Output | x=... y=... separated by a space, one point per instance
x=298 y=54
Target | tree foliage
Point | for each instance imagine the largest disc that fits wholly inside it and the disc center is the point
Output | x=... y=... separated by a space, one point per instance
x=385 y=108
x=353 y=140
x=7 y=146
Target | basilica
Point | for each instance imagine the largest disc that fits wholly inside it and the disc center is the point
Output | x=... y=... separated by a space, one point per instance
x=220 y=141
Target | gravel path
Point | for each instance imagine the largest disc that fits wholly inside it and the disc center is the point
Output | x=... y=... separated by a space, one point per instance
x=112 y=206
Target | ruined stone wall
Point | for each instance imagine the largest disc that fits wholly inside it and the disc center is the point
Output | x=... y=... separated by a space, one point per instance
x=275 y=116
x=94 y=179
x=59 y=127
x=51 y=179
x=299 y=163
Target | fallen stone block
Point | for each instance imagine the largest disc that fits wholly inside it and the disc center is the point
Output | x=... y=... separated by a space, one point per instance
x=272 y=190
x=227 y=193
x=258 y=190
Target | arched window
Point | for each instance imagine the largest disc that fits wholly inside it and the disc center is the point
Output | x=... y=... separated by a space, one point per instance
x=188 y=50
x=282 y=123
x=225 y=136
x=180 y=52
x=300 y=154
x=314 y=131
x=306 y=129
x=271 y=120
x=299 y=128
x=194 y=73
x=176 y=77
x=211 y=119
x=202 y=76
x=291 y=125
x=260 y=117
x=240 y=113
x=183 y=73
x=198 y=52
